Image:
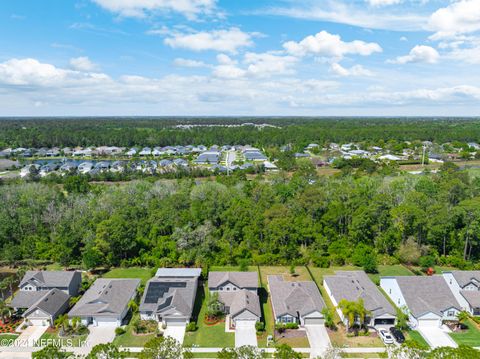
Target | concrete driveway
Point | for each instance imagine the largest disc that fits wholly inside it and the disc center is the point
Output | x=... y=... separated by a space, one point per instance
x=97 y=335
x=318 y=338
x=245 y=333
x=31 y=335
x=436 y=337
x=177 y=332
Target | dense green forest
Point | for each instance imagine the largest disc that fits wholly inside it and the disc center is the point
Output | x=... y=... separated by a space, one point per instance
x=358 y=219
x=161 y=131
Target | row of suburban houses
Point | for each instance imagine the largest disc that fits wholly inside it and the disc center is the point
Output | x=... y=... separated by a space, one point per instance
x=169 y=297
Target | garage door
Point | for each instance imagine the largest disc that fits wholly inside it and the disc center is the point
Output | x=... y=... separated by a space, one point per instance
x=313 y=321
x=39 y=322
x=176 y=322
x=428 y=323
x=106 y=322
x=384 y=321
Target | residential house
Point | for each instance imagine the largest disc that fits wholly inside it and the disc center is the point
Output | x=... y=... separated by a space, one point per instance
x=237 y=293
x=170 y=295
x=105 y=303
x=353 y=286
x=427 y=299
x=43 y=295
x=465 y=286
x=208 y=157
x=295 y=302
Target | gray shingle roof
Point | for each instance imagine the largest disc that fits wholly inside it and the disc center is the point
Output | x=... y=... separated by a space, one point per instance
x=353 y=285
x=464 y=277
x=51 y=302
x=241 y=300
x=106 y=297
x=240 y=279
x=294 y=297
x=472 y=297
x=25 y=299
x=48 y=278
x=426 y=294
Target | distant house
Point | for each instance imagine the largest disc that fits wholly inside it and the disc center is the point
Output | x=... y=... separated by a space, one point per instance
x=355 y=285
x=170 y=295
x=270 y=167
x=85 y=167
x=295 y=302
x=105 y=303
x=131 y=152
x=43 y=295
x=465 y=286
x=237 y=292
x=254 y=155
x=146 y=151
x=428 y=300
x=208 y=157
x=389 y=157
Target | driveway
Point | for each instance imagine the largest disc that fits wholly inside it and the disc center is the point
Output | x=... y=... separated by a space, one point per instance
x=318 y=338
x=97 y=335
x=177 y=332
x=436 y=337
x=31 y=335
x=245 y=333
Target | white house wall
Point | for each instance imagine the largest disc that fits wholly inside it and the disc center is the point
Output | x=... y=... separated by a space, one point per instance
x=334 y=302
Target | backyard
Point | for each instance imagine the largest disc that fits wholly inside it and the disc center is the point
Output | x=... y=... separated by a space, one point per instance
x=144 y=274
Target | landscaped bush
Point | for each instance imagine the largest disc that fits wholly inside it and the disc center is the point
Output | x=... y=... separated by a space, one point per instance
x=119 y=331
x=191 y=327
x=144 y=326
x=260 y=326
x=281 y=327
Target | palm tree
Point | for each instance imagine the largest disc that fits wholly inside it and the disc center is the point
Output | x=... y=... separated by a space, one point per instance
x=10 y=282
x=463 y=316
x=361 y=312
x=61 y=321
x=348 y=310
x=3 y=286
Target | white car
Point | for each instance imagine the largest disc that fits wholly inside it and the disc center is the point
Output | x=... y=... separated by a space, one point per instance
x=385 y=336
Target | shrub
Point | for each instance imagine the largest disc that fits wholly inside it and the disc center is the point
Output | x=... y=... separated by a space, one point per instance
x=260 y=326
x=427 y=262
x=119 y=331
x=191 y=327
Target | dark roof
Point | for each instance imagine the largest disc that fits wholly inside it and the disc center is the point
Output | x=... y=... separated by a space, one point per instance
x=106 y=297
x=240 y=279
x=51 y=302
x=294 y=298
x=355 y=285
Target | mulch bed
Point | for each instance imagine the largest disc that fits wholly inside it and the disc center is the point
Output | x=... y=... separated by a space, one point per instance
x=212 y=321
x=8 y=327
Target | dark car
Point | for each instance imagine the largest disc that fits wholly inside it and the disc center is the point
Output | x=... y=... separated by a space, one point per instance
x=397 y=334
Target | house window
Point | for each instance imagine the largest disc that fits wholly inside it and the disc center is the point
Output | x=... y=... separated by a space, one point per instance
x=228 y=288
x=234 y=288
x=398 y=301
x=451 y=313
x=390 y=290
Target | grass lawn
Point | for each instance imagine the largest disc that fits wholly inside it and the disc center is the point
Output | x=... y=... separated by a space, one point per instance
x=267 y=316
x=392 y=270
x=8 y=338
x=318 y=273
x=471 y=337
x=231 y=269
x=130 y=339
x=417 y=338
x=365 y=355
x=299 y=342
x=52 y=334
x=340 y=339
x=144 y=274
x=213 y=336
x=301 y=273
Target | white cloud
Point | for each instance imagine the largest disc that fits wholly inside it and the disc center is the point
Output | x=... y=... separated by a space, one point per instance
x=83 y=63
x=403 y=38
x=31 y=72
x=357 y=70
x=180 y=62
x=419 y=53
x=142 y=8
x=383 y=2
x=350 y=13
x=218 y=40
x=459 y=17
x=329 y=45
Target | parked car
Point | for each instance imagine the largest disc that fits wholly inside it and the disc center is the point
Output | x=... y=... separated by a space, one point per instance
x=397 y=334
x=385 y=336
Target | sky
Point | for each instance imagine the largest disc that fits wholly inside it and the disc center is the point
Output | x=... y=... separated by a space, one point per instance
x=240 y=57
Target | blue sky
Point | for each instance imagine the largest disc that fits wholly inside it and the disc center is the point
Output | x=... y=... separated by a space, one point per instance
x=248 y=57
